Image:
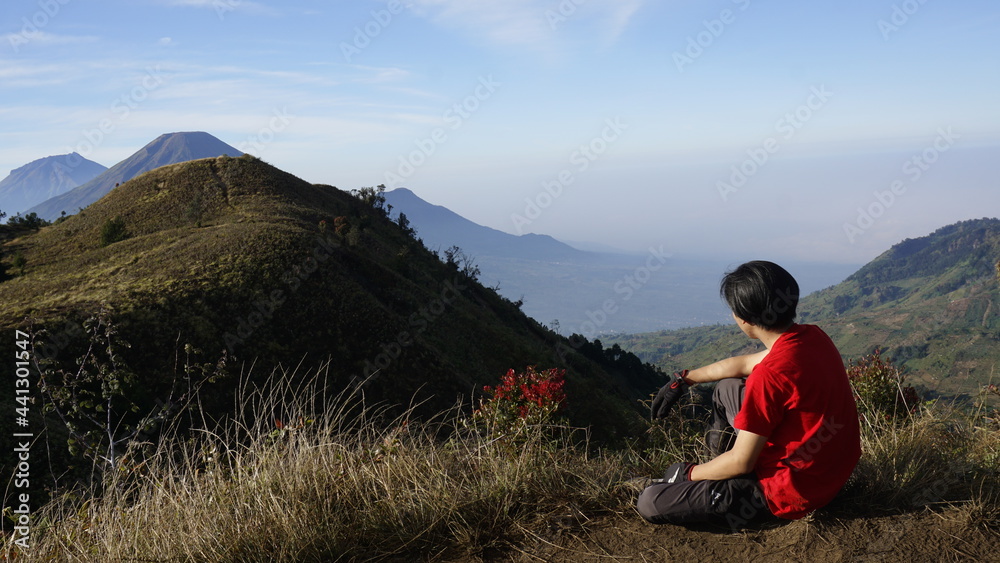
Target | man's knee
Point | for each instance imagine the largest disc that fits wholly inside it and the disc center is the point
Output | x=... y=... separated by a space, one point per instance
x=646 y=504
x=726 y=388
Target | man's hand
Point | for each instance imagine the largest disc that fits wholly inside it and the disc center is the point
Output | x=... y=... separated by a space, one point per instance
x=668 y=395
x=679 y=472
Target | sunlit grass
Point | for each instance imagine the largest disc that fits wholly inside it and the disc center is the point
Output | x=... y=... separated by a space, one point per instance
x=287 y=480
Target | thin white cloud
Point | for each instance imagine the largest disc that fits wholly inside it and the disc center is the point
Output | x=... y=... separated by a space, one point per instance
x=621 y=15
x=529 y=23
x=380 y=74
x=17 y=41
x=17 y=75
x=507 y=22
x=223 y=7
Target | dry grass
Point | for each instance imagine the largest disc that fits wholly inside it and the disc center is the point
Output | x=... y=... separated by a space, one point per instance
x=353 y=483
x=347 y=484
x=939 y=455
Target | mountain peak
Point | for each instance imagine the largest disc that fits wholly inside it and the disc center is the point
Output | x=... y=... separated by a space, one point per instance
x=439 y=227
x=168 y=148
x=45 y=178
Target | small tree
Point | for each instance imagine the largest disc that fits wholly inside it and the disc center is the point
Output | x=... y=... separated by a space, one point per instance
x=96 y=400
x=459 y=260
x=30 y=221
x=92 y=399
x=404 y=223
x=374 y=197
x=113 y=230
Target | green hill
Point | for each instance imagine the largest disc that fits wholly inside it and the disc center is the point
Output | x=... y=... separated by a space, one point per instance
x=930 y=303
x=233 y=255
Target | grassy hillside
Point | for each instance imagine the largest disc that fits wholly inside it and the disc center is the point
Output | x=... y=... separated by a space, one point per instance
x=232 y=261
x=932 y=304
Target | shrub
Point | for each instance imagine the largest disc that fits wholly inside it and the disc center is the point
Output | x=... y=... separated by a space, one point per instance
x=879 y=389
x=341 y=225
x=19 y=262
x=113 y=230
x=522 y=399
x=920 y=455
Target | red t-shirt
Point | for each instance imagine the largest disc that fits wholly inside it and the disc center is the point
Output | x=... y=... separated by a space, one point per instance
x=800 y=399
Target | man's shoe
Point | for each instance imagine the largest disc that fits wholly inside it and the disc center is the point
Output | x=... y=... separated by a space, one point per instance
x=640 y=484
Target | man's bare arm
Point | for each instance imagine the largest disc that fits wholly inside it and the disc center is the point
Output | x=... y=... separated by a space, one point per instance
x=738 y=461
x=737 y=366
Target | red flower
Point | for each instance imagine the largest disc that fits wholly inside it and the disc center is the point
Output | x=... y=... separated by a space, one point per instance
x=527 y=395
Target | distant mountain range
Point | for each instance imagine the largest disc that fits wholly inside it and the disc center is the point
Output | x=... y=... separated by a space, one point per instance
x=440 y=228
x=589 y=293
x=932 y=304
x=44 y=179
x=573 y=290
x=169 y=148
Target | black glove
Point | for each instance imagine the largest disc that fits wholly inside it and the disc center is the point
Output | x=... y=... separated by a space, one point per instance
x=679 y=472
x=668 y=395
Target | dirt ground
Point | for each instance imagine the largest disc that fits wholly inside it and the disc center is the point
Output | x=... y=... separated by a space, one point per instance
x=946 y=535
x=922 y=536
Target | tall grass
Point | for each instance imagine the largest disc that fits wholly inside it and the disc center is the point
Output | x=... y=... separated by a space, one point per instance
x=929 y=455
x=940 y=454
x=283 y=481
x=297 y=475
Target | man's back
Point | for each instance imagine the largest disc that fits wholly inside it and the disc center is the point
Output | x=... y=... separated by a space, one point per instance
x=799 y=397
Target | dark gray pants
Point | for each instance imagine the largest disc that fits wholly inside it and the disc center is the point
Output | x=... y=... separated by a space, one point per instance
x=731 y=503
x=726 y=402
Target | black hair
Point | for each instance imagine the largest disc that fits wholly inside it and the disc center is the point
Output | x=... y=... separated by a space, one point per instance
x=761 y=293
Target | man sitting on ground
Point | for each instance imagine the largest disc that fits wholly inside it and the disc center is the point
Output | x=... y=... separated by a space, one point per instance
x=796 y=422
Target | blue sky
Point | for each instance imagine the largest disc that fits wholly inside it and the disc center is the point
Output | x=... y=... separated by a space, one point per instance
x=823 y=131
